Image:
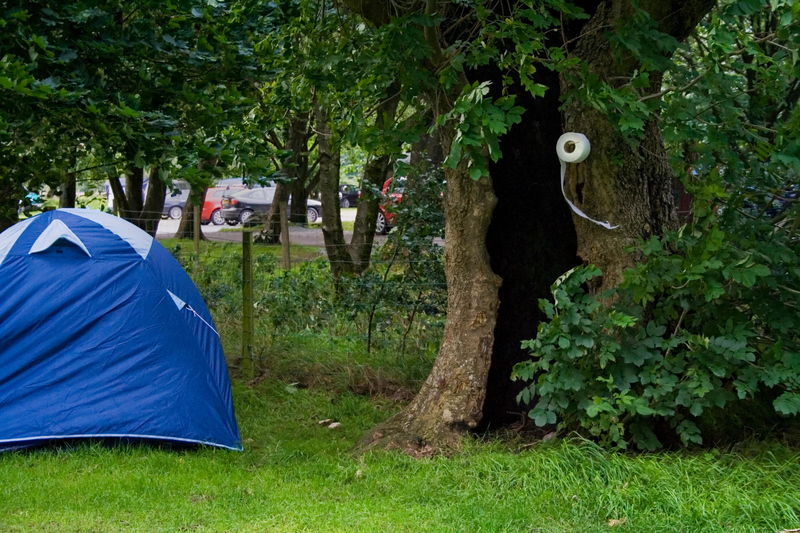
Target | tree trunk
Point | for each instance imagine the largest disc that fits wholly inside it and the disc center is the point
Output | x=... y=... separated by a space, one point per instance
x=297 y=144
x=451 y=399
x=186 y=226
x=10 y=196
x=357 y=258
x=153 y=204
x=376 y=172
x=636 y=194
x=329 y=147
x=134 y=196
x=144 y=213
x=68 y=189
x=299 y=200
x=530 y=257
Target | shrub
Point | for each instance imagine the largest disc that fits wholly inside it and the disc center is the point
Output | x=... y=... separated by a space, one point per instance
x=709 y=317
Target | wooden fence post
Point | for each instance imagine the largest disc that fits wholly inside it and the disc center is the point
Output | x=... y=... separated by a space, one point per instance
x=247 y=303
x=196 y=232
x=287 y=260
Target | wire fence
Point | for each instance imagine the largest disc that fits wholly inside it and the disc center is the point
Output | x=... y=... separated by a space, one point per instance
x=393 y=313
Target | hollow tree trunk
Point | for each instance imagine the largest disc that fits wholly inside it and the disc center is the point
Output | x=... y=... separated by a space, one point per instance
x=531 y=239
x=451 y=399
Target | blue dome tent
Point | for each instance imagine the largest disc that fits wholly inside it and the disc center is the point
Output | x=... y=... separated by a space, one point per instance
x=103 y=335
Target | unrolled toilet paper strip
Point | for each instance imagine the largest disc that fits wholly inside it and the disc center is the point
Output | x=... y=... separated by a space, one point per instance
x=580 y=153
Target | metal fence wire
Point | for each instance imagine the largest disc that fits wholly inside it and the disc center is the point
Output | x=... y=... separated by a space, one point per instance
x=395 y=309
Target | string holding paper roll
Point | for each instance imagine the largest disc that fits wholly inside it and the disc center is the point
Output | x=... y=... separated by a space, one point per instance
x=575 y=148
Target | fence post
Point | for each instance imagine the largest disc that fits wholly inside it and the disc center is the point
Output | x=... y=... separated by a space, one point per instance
x=196 y=229
x=287 y=260
x=247 y=303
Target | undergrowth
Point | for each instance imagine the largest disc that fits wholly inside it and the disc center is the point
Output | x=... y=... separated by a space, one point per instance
x=376 y=333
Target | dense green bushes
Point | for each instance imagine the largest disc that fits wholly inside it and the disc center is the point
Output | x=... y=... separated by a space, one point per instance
x=710 y=317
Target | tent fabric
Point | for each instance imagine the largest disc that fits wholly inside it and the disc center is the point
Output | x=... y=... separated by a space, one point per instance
x=103 y=334
x=55 y=231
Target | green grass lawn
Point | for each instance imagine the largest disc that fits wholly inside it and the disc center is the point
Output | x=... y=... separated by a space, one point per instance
x=296 y=475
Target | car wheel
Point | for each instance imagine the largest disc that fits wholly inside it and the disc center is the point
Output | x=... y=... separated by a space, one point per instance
x=244 y=215
x=345 y=203
x=380 y=225
x=312 y=215
x=216 y=218
x=175 y=212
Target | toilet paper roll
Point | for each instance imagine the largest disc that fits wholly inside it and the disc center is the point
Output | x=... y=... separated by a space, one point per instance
x=580 y=148
x=579 y=145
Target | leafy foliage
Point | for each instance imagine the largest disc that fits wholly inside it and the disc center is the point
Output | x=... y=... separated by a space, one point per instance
x=708 y=318
x=481 y=122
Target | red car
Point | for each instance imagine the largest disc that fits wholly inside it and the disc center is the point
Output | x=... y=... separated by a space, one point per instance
x=212 y=208
x=392 y=195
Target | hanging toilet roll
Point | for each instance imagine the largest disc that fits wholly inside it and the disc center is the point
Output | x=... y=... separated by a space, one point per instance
x=580 y=148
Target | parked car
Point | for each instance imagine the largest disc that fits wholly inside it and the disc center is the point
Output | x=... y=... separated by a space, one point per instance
x=212 y=207
x=175 y=200
x=240 y=206
x=348 y=196
x=392 y=195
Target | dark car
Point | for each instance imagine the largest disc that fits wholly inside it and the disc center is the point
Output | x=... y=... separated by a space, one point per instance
x=348 y=196
x=240 y=206
x=175 y=199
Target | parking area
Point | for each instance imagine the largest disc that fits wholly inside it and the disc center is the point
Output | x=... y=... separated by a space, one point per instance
x=312 y=236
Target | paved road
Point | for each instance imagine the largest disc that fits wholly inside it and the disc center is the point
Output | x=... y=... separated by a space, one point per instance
x=297 y=235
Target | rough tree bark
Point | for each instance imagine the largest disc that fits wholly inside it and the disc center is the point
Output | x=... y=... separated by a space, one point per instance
x=531 y=239
x=355 y=257
x=636 y=194
x=186 y=226
x=143 y=212
x=451 y=399
x=10 y=194
x=297 y=144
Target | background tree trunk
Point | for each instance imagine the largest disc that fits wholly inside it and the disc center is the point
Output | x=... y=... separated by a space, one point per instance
x=153 y=204
x=186 y=226
x=297 y=144
x=129 y=203
x=376 y=172
x=10 y=195
x=68 y=188
x=329 y=149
